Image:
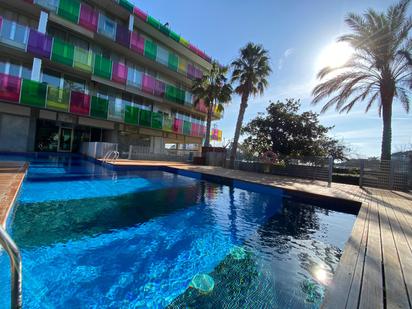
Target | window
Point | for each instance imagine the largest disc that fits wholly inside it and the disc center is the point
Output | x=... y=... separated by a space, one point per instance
x=52 y=78
x=14 y=69
x=25 y=72
x=74 y=83
x=76 y=41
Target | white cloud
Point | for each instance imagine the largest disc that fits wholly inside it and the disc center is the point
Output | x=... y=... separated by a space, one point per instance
x=283 y=58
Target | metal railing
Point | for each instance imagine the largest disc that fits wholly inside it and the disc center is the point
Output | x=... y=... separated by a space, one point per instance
x=111 y=156
x=15 y=268
x=137 y=152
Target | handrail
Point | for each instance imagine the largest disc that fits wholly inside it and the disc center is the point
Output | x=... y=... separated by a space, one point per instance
x=15 y=268
x=107 y=156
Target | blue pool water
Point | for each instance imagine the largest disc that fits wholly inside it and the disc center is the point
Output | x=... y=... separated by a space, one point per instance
x=94 y=238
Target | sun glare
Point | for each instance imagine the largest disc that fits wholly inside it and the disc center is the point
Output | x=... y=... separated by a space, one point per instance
x=334 y=55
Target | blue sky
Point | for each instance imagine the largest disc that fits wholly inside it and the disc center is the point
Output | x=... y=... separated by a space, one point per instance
x=295 y=33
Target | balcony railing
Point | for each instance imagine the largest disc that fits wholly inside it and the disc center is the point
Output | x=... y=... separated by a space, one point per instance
x=39 y=44
x=99 y=107
x=14 y=34
x=58 y=98
x=10 y=88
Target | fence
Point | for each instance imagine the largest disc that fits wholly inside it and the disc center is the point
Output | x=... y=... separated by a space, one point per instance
x=96 y=150
x=315 y=168
x=137 y=152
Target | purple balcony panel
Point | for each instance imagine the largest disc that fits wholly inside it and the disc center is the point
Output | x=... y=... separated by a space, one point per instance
x=122 y=35
x=148 y=84
x=160 y=88
x=79 y=103
x=88 y=17
x=198 y=73
x=139 y=13
x=137 y=43
x=39 y=44
x=119 y=73
x=191 y=71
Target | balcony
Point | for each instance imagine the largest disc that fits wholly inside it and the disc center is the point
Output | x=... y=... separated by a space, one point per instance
x=139 y=13
x=178 y=126
x=188 y=98
x=157 y=121
x=145 y=118
x=79 y=103
x=106 y=27
x=148 y=84
x=88 y=17
x=99 y=107
x=119 y=73
x=102 y=67
x=51 y=5
x=174 y=94
x=173 y=62
x=123 y=35
x=127 y=5
x=168 y=123
x=160 y=88
x=187 y=127
x=58 y=99
x=33 y=93
x=162 y=55
x=62 y=52
x=13 y=34
x=10 y=88
x=70 y=10
x=195 y=129
x=137 y=43
x=39 y=44
x=134 y=78
x=83 y=59
x=131 y=115
x=116 y=110
x=150 y=49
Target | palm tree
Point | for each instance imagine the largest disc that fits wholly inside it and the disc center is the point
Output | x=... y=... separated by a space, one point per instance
x=377 y=72
x=214 y=89
x=250 y=71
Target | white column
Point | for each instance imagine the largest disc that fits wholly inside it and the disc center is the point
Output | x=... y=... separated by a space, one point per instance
x=44 y=17
x=131 y=22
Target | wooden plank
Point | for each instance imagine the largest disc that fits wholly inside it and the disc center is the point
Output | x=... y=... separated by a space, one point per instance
x=337 y=293
x=372 y=286
x=396 y=293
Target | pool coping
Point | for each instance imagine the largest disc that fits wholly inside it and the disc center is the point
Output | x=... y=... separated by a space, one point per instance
x=10 y=188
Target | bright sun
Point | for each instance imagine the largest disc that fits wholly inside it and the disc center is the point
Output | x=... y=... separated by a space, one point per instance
x=334 y=55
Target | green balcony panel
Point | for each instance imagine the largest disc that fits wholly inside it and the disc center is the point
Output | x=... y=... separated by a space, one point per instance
x=69 y=9
x=170 y=93
x=154 y=22
x=187 y=127
x=62 y=52
x=83 y=59
x=131 y=115
x=102 y=67
x=145 y=118
x=180 y=96
x=174 y=36
x=165 y=29
x=99 y=107
x=33 y=93
x=58 y=98
x=157 y=120
x=127 y=5
x=150 y=49
x=168 y=123
x=173 y=61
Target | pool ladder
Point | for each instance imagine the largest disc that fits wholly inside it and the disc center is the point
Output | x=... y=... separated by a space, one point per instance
x=15 y=268
x=108 y=156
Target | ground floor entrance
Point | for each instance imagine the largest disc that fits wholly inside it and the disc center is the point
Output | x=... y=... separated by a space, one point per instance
x=52 y=136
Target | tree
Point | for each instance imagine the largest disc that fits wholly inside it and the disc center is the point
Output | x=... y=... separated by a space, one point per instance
x=378 y=70
x=250 y=71
x=214 y=89
x=286 y=132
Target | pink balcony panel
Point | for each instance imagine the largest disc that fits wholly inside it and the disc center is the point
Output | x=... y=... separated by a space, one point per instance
x=79 y=103
x=10 y=88
x=148 y=84
x=160 y=88
x=201 y=106
x=195 y=129
x=191 y=71
x=178 y=125
x=119 y=73
x=88 y=17
x=202 y=131
x=139 y=13
x=137 y=43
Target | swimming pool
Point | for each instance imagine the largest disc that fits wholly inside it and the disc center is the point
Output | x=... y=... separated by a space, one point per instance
x=93 y=237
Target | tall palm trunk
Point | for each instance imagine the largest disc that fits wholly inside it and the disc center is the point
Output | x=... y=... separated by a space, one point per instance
x=387 y=93
x=208 y=124
x=243 y=106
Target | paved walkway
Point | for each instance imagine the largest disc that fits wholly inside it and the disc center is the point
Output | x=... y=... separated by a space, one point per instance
x=11 y=178
x=375 y=270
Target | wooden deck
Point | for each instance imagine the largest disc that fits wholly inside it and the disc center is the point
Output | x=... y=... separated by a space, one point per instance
x=375 y=270
x=11 y=178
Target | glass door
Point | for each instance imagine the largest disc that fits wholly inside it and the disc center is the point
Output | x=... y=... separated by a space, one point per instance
x=65 y=139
